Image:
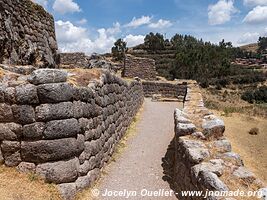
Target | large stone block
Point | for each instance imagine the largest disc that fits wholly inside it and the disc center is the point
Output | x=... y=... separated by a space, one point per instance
x=55 y=92
x=6 y=114
x=42 y=76
x=10 y=131
x=59 y=172
x=47 y=112
x=67 y=190
x=50 y=150
x=11 y=154
x=23 y=114
x=26 y=94
x=213 y=127
x=211 y=181
x=33 y=131
x=61 y=129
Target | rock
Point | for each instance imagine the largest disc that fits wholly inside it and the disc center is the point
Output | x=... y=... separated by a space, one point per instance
x=233 y=158
x=50 y=150
x=199 y=135
x=87 y=166
x=263 y=193
x=213 y=127
x=47 y=112
x=6 y=114
x=211 y=181
x=55 y=92
x=197 y=155
x=23 y=114
x=61 y=129
x=67 y=190
x=59 y=172
x=26 y=167
x=185 y=129
x=33 y=131
x=42 y=76
x=223 y=146
x=27 y=94
x=10 y=131
x=13 y=159
x=244 y=174
x=10 y=95
x=1 y=157
x=82 y=182
x=214 y=166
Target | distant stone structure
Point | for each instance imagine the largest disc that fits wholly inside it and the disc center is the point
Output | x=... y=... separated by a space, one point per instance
x=27 y=34
x=73 y=60
x=143 y=68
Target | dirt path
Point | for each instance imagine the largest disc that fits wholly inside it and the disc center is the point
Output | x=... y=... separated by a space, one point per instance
x=139 y=170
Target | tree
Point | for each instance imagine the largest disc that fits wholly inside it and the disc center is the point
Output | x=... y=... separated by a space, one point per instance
x=154 y=42
x=119 y=49
x=262 y=45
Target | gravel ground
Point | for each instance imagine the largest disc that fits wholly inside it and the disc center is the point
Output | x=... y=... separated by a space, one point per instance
x=138 y=170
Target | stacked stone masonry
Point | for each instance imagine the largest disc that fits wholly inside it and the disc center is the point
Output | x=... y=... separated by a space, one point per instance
x=143 y=68
x=203 y=157
x=73 y=60
x=27 y=34
x=165 y=89
x=63 y=133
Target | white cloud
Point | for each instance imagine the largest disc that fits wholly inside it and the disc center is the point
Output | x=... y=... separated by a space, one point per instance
x=221 y=12
x=160 y=24
x=255 y=2
x=73 y=38
x=133 y=40
x=248 y=38
x=136 y=22
x=66 y=6
x=257 y=15
x=43 y=3
x=82 y=21
x=115 y=29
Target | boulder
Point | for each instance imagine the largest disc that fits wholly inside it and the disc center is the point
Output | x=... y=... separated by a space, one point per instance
x=67 y=190
x=222 y=146
x=27 y=94
x=26 y=167
x=59 y=172
x=33 y=131
x=10 y=131
x=211 y=181
x=42 y=76
x=6 y=114
x=213 y=127
x=185 y=129
x=215 y=166
x=82 y=182
x=233 y=158
x=23 y=114
x=244 y=174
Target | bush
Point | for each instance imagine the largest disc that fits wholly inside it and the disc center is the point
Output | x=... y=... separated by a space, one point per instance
x=254 y=131
x=258 y=96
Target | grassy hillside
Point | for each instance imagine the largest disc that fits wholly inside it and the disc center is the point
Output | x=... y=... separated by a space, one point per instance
x=250 y=47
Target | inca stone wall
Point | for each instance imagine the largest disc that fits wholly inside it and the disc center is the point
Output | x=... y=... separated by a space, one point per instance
x=165 y=89
x=27 y=34
x=143 y=68
x=63 y=133
x=73 y=60
x=202 y=158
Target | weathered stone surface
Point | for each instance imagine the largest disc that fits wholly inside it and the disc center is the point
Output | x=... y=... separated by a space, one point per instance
x=6 y=114
x=197 y=155
x=87 y=166
x=185 y=129
x=50 y=150
x=43 y=76
x=47 y=112
x=199 y=135
x=61 y=129
x=59 y=172
x=222 y=145
x=9 y=147
x=233 y=157
x=82 y=182
x=13 y=159
x=26 y=167
x=55 y=92
x=23 y=114
x=244 y=174
x=1 y=157
x=33 y=131
x=67 y=190
x=263 y=193
x=10 y=131
x=211 y=181
x=214 y=166
x=10 y=95
x=26 y=94
x=213 y=127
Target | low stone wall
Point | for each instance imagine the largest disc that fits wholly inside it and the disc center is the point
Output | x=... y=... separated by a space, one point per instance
x=203 y=159
x=73 y=60
x=165 y=89
x=27 y=34
x=143 y=68
x=63 y=133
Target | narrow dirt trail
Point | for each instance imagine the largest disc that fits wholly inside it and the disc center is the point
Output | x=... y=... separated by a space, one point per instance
x=138 y=170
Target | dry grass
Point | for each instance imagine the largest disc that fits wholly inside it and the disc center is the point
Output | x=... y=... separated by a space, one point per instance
x=18 y=186
x=82 y=77
x=120 y=148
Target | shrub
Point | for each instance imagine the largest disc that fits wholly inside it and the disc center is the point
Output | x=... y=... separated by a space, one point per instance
x=254 y=131
x=258 y=96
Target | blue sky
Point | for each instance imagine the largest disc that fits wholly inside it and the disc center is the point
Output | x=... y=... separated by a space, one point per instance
x=93 y=25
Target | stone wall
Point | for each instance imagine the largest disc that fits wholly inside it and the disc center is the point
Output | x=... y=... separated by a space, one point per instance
x=202 y=157
x=165 y=89
x=27 y=34
x=63 y=133
x=73 y=60
x=143 y=68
